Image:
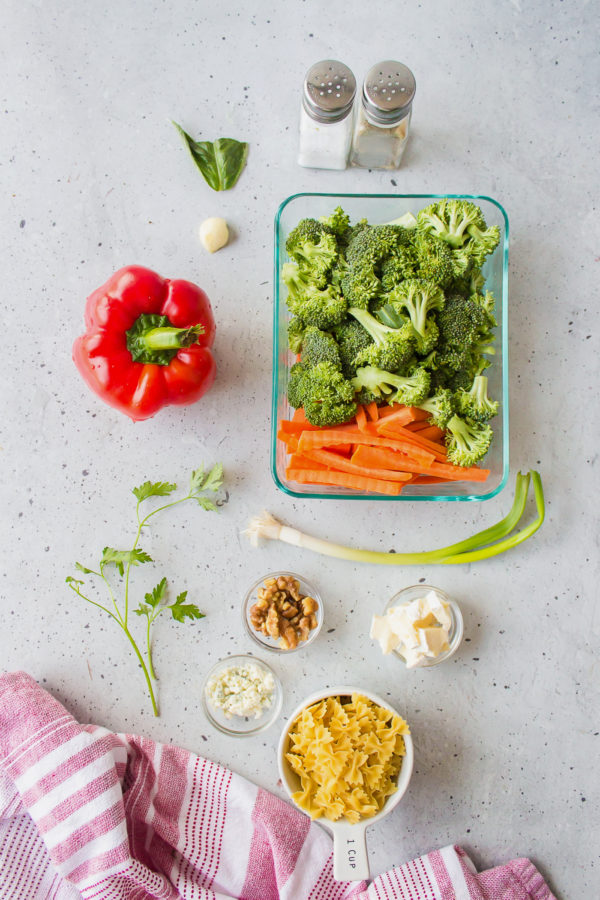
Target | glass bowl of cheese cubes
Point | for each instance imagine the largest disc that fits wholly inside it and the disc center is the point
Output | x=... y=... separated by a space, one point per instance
x=421 y=625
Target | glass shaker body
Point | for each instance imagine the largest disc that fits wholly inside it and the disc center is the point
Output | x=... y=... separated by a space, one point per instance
x=326 y=116
x=377 y=146
x=383 y=117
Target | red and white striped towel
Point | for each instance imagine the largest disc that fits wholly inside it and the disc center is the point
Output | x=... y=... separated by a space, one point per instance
x=87 y=813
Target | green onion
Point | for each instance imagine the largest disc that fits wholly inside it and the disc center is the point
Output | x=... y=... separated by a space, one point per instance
x=482 y=545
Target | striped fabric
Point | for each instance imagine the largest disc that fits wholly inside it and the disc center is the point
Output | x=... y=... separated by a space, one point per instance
x=87 y=813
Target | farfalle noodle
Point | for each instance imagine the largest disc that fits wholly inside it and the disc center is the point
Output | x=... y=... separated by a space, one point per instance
x=347 y=753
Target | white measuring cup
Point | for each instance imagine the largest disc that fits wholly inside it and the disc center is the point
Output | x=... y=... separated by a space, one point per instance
x=350 y=858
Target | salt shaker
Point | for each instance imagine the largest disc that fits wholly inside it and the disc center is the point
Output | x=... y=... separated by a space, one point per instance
x=326 y=115
x=383 y=116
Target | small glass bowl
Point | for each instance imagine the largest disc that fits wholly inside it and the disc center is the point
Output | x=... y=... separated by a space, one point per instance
x=457 y=626
x=272 y=644
x=242 y=726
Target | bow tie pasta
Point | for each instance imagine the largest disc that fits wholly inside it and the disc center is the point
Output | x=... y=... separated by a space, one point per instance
x=347 y=753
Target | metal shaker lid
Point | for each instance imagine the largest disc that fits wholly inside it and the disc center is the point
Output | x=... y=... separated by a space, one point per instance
x=329 y=89
x=388 y=92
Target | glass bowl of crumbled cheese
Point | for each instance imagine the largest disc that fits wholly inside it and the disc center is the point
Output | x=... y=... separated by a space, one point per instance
x=242 y=695
x=421 y=625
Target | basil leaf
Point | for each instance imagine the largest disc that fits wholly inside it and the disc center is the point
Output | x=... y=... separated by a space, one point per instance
x=221 y=162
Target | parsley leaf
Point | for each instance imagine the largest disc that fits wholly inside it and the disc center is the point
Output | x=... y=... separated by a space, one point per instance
x=211 y=482
x=84 y=570
x=121 y=558
x=70 y=580
x=181 y=610
x=158 y=593
x=153 y=489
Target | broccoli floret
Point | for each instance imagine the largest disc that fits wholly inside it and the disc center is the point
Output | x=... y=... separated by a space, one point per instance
x=467 y=442
x=440 y=407
x=373 y=244
x=435 y=260
x=461 y=224
x=450 y=220
x=296 y=330
x=352 y=339
x=398 y=266
x=470 y=281
x=475 y=404
x=460 y=324
x=295 y=388
x=312 y=245
x=321 y=307
x=392 y=348
x=487 y=303
x=338 y=222
x=328 y=397
x=410 y=390
x=319 y=346
x=419 y=299
x=482 y=242
x=360 y=285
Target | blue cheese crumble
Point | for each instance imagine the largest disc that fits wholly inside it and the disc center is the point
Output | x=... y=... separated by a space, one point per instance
x=245 y=691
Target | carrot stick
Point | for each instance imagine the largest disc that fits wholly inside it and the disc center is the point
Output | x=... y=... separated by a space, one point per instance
x=382 y=458
x=300 y=416
x=372 y=411
x=431 y=433
x=298 y=461
x=458 y=473
x=398 y=432
x=312 y=440
x=333 y=461
x=290 y=427
x=288 y=439
x=361 y=418
x=343 y=479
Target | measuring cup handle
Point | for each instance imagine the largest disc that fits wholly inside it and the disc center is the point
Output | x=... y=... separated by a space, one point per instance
x=350 y=860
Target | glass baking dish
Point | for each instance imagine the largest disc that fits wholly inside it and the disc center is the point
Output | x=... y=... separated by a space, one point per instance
x=379 y=208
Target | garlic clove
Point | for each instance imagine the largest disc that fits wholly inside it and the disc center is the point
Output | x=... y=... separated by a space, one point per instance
x=213 y=233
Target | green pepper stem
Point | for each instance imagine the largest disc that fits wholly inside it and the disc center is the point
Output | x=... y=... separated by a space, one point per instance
x=170 y=338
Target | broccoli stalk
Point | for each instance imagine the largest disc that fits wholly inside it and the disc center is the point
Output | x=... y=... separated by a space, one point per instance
x=475 y=404
x=467 y=442
x=392 y=348
x=410 y=390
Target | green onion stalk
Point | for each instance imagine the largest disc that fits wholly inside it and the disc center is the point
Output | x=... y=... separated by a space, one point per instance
x=487 y=543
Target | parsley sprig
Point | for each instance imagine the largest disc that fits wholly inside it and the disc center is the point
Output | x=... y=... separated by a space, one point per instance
x=202 y=484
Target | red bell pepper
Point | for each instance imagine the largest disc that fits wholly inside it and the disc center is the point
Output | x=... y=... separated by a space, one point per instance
x=147 y=342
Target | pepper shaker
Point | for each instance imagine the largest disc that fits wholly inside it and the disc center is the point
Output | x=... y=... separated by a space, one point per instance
x=326 y=115
x=383 y=116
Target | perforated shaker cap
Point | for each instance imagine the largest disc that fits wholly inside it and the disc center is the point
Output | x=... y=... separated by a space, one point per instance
x=329 y=89
x=388 y=92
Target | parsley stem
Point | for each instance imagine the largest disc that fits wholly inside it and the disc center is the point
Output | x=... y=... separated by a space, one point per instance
x=93 y=602
x=144 y=669
x=149 y=651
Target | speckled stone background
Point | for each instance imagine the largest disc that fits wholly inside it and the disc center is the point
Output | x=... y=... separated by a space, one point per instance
x=94 y=177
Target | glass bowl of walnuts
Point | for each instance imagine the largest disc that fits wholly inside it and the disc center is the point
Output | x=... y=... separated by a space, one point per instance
x=283 y=612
